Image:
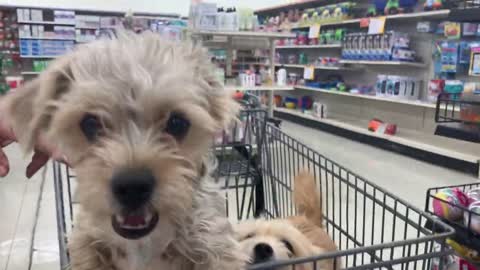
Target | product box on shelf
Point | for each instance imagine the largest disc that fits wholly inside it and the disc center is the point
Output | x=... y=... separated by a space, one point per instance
x=401 y=87
x=388 y=46
x=36 y=15
x=23 y=14
x=24 y=31
x=64 y=16
x=87 y=21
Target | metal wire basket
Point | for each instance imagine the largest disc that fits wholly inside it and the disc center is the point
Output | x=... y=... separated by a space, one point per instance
x=456 y=118
x=464 y=228
x=372 y=228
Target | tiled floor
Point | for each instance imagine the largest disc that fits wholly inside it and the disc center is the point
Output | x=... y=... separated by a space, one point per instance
x=28 y=223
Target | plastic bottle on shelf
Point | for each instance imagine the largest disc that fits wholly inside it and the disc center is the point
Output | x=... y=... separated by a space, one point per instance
x=282 y=77
x=220 y=19
x=258 y=78
x=235 y=20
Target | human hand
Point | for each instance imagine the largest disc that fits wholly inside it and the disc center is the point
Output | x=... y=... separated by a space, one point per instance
x=42 y=152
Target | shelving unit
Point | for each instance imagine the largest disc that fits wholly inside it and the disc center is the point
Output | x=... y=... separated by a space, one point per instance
x=385 y=99
x=30 y=72
x=387 y=63
x=440 y=147
x=48 y=38
x=76 y=24
x=315 y=67
x=425 y=15
x=259 y=88
x=39 y=56
x=269 y=37
x=46 y=23
x=320 y=46
x=244 y=34
x=351 y=112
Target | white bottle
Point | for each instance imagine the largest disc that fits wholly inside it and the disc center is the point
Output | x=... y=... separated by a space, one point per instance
x=235 y=20
x=220 y=19
x=227 y=20
x=281 y=77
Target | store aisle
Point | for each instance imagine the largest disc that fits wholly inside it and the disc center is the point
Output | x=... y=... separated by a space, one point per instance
x=405 y=177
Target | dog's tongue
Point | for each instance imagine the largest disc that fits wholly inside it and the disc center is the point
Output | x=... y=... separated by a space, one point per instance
x=134 y=220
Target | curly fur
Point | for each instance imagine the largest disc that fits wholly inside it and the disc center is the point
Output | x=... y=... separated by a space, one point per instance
x=132 y=84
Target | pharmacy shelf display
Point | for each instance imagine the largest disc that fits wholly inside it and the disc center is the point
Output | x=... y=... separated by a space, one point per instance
x=270 y=38
x=353 y=110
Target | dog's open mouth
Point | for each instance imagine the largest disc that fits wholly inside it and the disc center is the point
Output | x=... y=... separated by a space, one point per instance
x=135 y=225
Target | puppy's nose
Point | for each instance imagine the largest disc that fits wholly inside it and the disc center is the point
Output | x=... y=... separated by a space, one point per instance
x=262 y=252
x=133 y=187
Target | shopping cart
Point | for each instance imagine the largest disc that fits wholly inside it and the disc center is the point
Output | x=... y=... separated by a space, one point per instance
x=466 y=228
x=372 y=228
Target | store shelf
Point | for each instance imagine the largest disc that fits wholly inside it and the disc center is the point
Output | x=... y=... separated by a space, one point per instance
x=87 y=27
x=30 y=72
x=48 y=38
x=259 y=88
x=386 y=63
x=316 y=67
x=245 y=34
x=39 y=56
x=435 y=14
x=46 y=23
x=410 y=138
x=296 y=4
x=320 y=46
x=385 y=99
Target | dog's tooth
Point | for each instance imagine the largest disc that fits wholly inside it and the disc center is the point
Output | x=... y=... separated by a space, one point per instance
x=148 y=217
x=120 y=219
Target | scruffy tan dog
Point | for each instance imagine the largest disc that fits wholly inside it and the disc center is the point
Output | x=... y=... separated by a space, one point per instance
x=295 y=237
x=135 y=117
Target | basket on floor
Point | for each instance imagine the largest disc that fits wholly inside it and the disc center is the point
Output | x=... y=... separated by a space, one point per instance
x=372 y=228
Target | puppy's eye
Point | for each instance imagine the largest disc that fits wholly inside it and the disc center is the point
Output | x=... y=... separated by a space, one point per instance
x=250 y=235
x=288 y=246
x=91 y=127
x=177 y=126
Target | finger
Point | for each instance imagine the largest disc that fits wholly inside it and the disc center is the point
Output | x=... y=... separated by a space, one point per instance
x=39 y=159
x=4 y=165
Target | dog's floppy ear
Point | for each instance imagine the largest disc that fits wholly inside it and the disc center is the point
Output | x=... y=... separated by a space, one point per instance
x=30 y=108
x=223 y=107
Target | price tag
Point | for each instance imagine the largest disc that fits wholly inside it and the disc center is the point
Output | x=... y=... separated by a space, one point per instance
x=314 y=31
x=364 y=22
x=377 y=25
x=309 y=73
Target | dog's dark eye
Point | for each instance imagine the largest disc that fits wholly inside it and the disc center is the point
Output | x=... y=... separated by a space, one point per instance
x=250 y=235
x=177 y=126
x=91 y=126
x=288 y=246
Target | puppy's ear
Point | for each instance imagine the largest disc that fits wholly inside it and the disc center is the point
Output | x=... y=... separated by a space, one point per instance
x=30 y=108
x=223 y=107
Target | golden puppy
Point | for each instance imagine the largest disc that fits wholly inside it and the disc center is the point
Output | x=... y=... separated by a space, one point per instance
x=135 y=117
x=294 y=237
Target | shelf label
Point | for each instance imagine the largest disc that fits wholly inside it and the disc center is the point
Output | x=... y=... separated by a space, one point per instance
x=309 y=73
x=314 y=31
x=377 y=25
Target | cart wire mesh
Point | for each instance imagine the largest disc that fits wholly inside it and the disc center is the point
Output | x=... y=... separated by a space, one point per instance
x=372 y=228
x=464 y=232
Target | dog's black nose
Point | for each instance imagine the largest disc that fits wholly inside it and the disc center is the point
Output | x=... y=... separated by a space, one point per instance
x=133 y=187
x=262 y=252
